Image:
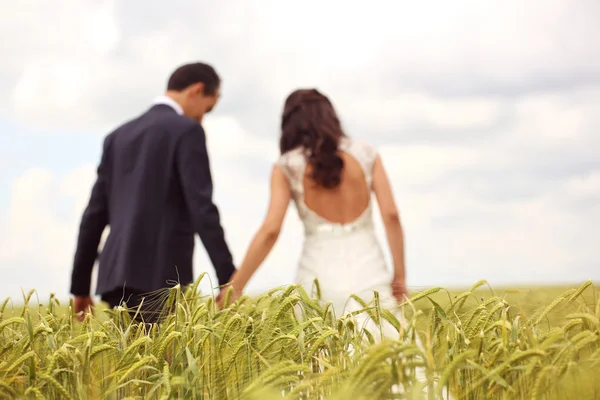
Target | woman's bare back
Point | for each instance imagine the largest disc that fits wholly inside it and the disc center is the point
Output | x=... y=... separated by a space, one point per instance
x=346 y=202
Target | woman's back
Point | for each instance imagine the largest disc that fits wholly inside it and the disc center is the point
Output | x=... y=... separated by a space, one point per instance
x=340 y=249
x=344 y=203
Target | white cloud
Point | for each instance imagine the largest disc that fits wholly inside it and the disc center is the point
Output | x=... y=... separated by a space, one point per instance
x=420 y=164
x=270 y=47
x=54 y=62
x=397 y=113
x=226 y=136
x=60 y=80
x=584 y=187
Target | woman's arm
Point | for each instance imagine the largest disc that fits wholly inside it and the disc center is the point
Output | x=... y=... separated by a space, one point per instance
x=267 y=235
x=392 y=224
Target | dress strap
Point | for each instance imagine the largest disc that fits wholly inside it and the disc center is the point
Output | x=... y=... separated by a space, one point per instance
x=363 y=152
x=293 y=165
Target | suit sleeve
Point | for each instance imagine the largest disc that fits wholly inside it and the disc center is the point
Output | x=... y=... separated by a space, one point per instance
x=194 y=172
x=93 y=222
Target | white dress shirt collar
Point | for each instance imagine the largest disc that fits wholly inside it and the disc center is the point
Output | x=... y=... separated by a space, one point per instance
x=169 y=102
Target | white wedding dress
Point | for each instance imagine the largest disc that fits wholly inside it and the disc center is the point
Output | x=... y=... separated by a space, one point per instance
x=346 y=259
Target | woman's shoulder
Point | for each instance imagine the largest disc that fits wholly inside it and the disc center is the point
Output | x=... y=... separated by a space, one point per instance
x=292 y=163
x=291 y=158
x=359 y=148
x=295 y=152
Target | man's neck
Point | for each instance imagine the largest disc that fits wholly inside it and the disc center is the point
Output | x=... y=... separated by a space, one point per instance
x=176 y=97
x=173 y=101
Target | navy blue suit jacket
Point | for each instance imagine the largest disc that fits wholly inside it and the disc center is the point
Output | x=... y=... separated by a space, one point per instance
x=154 y=190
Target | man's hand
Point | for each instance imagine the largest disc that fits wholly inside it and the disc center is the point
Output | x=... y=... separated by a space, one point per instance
x=399 y=290
x=83 y=305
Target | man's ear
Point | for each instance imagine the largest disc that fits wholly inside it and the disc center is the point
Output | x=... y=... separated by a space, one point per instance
x=198 y=88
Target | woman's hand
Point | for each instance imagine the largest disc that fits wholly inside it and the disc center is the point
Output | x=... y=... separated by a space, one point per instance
x=399 y=290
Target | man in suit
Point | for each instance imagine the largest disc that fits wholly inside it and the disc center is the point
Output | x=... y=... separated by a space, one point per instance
x=154 y=189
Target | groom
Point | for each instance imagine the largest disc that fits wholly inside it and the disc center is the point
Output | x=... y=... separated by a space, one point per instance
x=154 y=189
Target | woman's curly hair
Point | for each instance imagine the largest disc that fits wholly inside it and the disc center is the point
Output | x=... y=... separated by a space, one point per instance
x=309 y=120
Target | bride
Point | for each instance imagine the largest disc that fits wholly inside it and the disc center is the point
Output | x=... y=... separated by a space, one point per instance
x=330 y=177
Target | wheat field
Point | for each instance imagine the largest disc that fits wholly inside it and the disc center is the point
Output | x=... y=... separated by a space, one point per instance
x=477 y=344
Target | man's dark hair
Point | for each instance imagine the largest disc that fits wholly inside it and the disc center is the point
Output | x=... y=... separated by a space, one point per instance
x=190 y=74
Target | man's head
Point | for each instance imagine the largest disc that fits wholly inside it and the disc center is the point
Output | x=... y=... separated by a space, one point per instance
x=196 y=87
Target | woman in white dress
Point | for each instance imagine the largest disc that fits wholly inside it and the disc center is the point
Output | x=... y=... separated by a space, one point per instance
x=330 y=177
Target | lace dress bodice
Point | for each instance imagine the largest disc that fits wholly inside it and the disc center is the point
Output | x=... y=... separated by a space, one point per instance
x=293 y=163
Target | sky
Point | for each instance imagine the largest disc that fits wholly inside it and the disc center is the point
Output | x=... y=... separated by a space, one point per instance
x=485 y=114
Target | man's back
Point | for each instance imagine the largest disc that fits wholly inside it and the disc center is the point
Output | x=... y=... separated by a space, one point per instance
x=155 y=183
x=141 y=162
x=150 y=225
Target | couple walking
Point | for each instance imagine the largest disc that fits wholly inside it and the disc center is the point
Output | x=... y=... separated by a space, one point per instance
x=154 y=189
